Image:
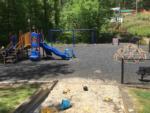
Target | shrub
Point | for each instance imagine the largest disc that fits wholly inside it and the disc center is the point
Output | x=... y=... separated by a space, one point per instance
x=65 y=37
x=142 y=42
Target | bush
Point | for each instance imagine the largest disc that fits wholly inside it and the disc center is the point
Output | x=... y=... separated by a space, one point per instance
x=126 y=37
x=140 y=30
x=65 y=37
x=105 y=37
x=142 y=42
x=80 y=37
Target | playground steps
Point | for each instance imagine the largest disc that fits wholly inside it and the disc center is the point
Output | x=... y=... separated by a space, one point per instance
x=15 y=55
x=11 y=57
x=1 y=57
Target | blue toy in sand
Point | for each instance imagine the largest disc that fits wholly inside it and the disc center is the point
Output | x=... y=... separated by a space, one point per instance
x=65 y=104
x=35 y=47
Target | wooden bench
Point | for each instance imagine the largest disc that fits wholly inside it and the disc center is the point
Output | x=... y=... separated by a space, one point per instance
x=143 y=71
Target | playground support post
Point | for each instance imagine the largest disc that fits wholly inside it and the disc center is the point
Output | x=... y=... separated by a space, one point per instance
x=138 y=44
x=122 y=71
x=149 y=46
x=73 y=38
x=50 y=34
x=43 y=41
x=93 y=39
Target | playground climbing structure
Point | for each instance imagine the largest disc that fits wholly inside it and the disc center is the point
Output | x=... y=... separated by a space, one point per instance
x=12 y=53
x=130 y=51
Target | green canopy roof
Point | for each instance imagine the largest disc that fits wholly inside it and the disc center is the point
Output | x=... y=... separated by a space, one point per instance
x=126 y=11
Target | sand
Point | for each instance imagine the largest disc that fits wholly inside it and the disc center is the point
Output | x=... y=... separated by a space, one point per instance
x=101 y=97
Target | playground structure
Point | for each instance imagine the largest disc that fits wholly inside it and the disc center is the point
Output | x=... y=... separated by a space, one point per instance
x=28 y=46
x=36 y=43
x=130 y=51
x=15 y=52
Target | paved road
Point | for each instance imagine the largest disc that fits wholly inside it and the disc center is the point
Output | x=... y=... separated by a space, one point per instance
x=93 y=61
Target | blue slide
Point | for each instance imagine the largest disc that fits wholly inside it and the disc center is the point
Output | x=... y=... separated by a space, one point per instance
x=66 y=55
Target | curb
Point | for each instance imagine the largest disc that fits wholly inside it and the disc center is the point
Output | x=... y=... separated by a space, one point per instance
x=30 y=105
x=128 y=105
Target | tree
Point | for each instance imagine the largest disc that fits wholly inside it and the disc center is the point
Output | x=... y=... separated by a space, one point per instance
x=57 y=12
x=77 y=14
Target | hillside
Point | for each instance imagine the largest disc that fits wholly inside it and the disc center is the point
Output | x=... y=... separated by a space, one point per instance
x=137 y=24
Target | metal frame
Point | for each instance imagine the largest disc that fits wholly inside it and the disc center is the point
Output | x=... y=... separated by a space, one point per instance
x=122 y=67
x=50 y=33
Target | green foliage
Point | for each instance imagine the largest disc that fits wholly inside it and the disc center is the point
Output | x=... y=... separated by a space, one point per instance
x=142 y=42
x=140 y=30
x=11 y=97
x=79 y=14
x=144 y=17
x=105 y=37
x=138 y=24
x=144 y=4
x=84 y=14
x=18 y=15
x=65 y=38
x=91 y=14
x=3 y=40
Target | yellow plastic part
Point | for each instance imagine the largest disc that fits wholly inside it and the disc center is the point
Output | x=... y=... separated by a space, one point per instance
x=27 y=39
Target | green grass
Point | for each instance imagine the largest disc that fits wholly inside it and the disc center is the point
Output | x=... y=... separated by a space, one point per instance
x=142 y=100
x=10 y=98
x=137 y=24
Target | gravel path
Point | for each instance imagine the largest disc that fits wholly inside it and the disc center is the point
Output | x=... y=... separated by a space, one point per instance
x=93 y=61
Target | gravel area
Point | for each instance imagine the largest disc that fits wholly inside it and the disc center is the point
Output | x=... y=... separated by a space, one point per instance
x=93 y=61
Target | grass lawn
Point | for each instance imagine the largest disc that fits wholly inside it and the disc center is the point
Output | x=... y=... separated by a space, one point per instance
x=141 y=100
x=137 y=24
x=10 y=98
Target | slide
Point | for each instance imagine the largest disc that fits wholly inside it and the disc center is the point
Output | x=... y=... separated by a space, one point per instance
x=49 y=49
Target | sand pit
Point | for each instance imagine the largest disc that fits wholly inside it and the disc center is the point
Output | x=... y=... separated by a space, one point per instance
x=100 y=97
